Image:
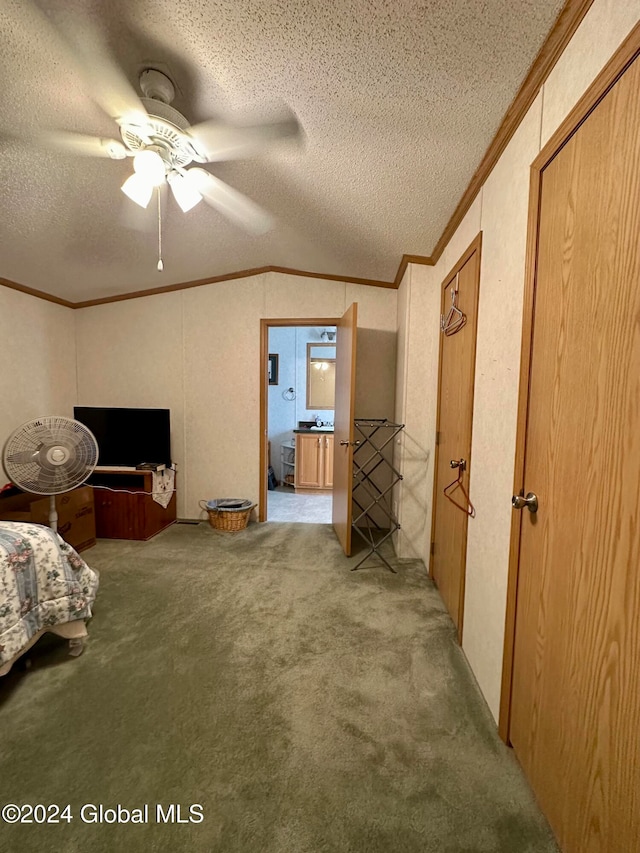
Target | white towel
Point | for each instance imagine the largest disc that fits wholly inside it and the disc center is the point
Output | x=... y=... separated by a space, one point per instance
x=163 y=486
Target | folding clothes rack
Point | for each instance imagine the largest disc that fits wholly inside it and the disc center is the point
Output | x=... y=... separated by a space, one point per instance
x=372 y=437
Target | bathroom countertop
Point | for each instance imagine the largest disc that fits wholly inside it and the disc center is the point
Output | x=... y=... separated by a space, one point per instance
x=310 y=429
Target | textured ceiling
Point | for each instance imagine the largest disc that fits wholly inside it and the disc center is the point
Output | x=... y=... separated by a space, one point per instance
x=398 y=99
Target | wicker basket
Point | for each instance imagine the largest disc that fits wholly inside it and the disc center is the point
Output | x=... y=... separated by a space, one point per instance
x=228 y=518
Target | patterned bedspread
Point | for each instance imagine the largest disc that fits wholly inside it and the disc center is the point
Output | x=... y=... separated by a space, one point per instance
x=43 y=582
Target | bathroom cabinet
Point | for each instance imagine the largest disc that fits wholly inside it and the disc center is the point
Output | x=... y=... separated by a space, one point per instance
x=314 y=461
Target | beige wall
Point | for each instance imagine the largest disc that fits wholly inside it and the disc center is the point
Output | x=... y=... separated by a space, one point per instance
x=37 y=360
x=500 y=212
x=417 y=376
x=197 y=352
x=399 y=413
x=131 y=354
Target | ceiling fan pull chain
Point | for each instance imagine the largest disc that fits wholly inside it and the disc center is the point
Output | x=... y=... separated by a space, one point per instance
x=160 y=264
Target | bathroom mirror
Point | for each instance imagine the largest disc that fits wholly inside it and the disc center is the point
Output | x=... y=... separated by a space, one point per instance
x=321 y=376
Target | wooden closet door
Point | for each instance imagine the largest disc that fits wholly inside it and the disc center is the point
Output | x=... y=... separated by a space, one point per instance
x=455 y=416
x=575 y=714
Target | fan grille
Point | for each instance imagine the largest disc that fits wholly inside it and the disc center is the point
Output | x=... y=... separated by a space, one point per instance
x=50 y=455
x=164 y=126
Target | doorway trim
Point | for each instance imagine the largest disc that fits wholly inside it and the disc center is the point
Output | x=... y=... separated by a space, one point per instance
x=613 y=70
x=265 y=325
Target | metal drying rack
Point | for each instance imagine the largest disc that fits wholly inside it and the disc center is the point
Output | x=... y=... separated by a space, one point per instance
x=373 y=435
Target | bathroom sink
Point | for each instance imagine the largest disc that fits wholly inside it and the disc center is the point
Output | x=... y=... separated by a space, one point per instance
x=322 y=429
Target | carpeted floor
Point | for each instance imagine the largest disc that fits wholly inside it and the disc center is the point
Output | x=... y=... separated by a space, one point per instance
x=308 y=709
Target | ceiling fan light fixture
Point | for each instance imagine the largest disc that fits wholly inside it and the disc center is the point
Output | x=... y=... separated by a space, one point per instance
x=138 y=189
x=150 y=166
x=183 y=191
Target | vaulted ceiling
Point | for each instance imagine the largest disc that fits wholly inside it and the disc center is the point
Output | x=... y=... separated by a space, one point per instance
x=398 y=101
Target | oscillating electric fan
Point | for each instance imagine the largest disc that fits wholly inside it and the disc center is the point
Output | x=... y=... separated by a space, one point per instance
x=49 y=456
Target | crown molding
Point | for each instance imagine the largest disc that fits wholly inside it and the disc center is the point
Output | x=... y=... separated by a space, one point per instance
x=171 y=288
x=201 y=282
x=410 y=259
x=185 y=285
x=350 y=279
x=31 y=291
x=559 y=37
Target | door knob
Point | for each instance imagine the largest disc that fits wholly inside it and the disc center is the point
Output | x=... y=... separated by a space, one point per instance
x=531 y=502
x=346 y=443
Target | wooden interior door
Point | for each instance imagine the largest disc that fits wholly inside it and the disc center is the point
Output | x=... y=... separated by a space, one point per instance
x=575 y=702
x=454 y=423
x=343 y=432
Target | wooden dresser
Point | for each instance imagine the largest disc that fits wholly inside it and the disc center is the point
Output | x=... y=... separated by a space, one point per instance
x=124 y=506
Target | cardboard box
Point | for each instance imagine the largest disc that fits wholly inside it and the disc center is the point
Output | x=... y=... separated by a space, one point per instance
x=76 y=516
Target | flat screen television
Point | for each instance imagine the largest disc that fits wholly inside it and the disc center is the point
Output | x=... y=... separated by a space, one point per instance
x=128 y=437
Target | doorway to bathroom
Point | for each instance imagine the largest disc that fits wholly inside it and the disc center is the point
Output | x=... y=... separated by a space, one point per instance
x=299 y=421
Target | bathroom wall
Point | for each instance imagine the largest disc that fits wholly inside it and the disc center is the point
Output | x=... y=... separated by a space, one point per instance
x=281 y=413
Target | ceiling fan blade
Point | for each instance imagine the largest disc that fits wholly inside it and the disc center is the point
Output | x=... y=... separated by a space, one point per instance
x=107 y=85
x=87 y=146
x=110 y=88
x=231 y=203
x=217 y=141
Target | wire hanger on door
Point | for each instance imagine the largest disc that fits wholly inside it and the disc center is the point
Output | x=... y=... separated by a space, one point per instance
x=455 y=319
x=469 y=509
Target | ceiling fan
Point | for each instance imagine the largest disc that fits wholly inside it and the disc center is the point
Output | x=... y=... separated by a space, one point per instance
x=160 y=139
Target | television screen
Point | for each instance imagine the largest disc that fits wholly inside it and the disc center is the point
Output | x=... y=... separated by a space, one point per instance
x=128 y=437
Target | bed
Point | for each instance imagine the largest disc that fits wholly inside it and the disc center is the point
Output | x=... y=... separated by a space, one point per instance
x=44 y=586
